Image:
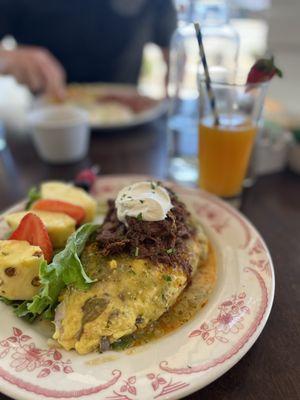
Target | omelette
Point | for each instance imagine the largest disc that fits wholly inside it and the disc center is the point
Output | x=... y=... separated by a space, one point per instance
x=139 y=268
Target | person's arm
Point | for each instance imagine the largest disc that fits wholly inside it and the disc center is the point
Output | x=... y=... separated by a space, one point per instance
x=165 y=24
x=32 y=66
x=35 y=67
x=166 y=57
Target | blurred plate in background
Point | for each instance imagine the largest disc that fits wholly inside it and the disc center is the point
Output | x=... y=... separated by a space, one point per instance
x=112 y=106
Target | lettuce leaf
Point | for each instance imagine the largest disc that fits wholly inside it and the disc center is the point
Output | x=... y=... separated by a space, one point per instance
x=65 y=269
x=20 y=304
x=33 y=195
x=7 y=301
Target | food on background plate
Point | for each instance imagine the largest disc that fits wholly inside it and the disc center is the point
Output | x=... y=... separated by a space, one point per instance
x=145 y=271
x=107 y=113
x=135 y=101
x=108 y=105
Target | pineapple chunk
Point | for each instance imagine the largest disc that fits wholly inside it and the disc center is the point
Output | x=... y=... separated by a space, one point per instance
x=59 y=226
x=19 y=269
x=65 y=192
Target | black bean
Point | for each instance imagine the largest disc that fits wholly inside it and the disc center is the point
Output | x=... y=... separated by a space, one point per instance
x=37 y=254
x=104 y=344
x=139 y=320
x=10 y=271
x=36 y=281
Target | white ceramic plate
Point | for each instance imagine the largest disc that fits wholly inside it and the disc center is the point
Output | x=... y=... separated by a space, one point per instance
x=86 y=95
x=179 y=363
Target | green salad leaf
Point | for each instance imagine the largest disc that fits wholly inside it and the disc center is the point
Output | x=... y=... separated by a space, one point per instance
x=33 y=195
x=65 y=269
x=18 y=304
x=7 y=301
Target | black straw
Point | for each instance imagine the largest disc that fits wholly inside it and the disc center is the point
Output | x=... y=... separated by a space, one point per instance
x=207 y=77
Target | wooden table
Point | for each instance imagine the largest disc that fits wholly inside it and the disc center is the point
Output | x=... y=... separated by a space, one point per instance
x=271 y=369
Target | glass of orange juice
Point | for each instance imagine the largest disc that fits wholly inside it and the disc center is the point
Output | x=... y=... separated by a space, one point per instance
x=225 y=145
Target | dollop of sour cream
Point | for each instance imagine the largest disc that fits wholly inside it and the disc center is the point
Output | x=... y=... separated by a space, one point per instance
x=148 y=201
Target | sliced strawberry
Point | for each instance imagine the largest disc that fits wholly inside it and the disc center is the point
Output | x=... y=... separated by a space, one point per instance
x=32 y=229
x=76 y=212
x=262 y=71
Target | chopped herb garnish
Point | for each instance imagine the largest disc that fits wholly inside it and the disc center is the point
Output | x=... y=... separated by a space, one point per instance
x=122 y=343
x=142 y=201
x=140 y=217
x=167 y=278
x=136 y=253
x=152 y=186
x=170 y=251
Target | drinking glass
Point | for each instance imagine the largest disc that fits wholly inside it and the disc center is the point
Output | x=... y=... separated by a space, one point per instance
x=225 y=147
x=221 y=42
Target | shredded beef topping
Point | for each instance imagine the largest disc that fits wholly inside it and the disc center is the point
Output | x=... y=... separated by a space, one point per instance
x=160 y=241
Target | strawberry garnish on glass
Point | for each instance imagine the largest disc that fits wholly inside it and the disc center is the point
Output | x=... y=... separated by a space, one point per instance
x=262 y=71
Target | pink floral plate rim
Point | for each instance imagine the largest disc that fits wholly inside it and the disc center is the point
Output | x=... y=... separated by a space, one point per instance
x=30 y=370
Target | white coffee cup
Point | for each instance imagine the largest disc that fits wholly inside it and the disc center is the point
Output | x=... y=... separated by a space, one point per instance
x=60 y=133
